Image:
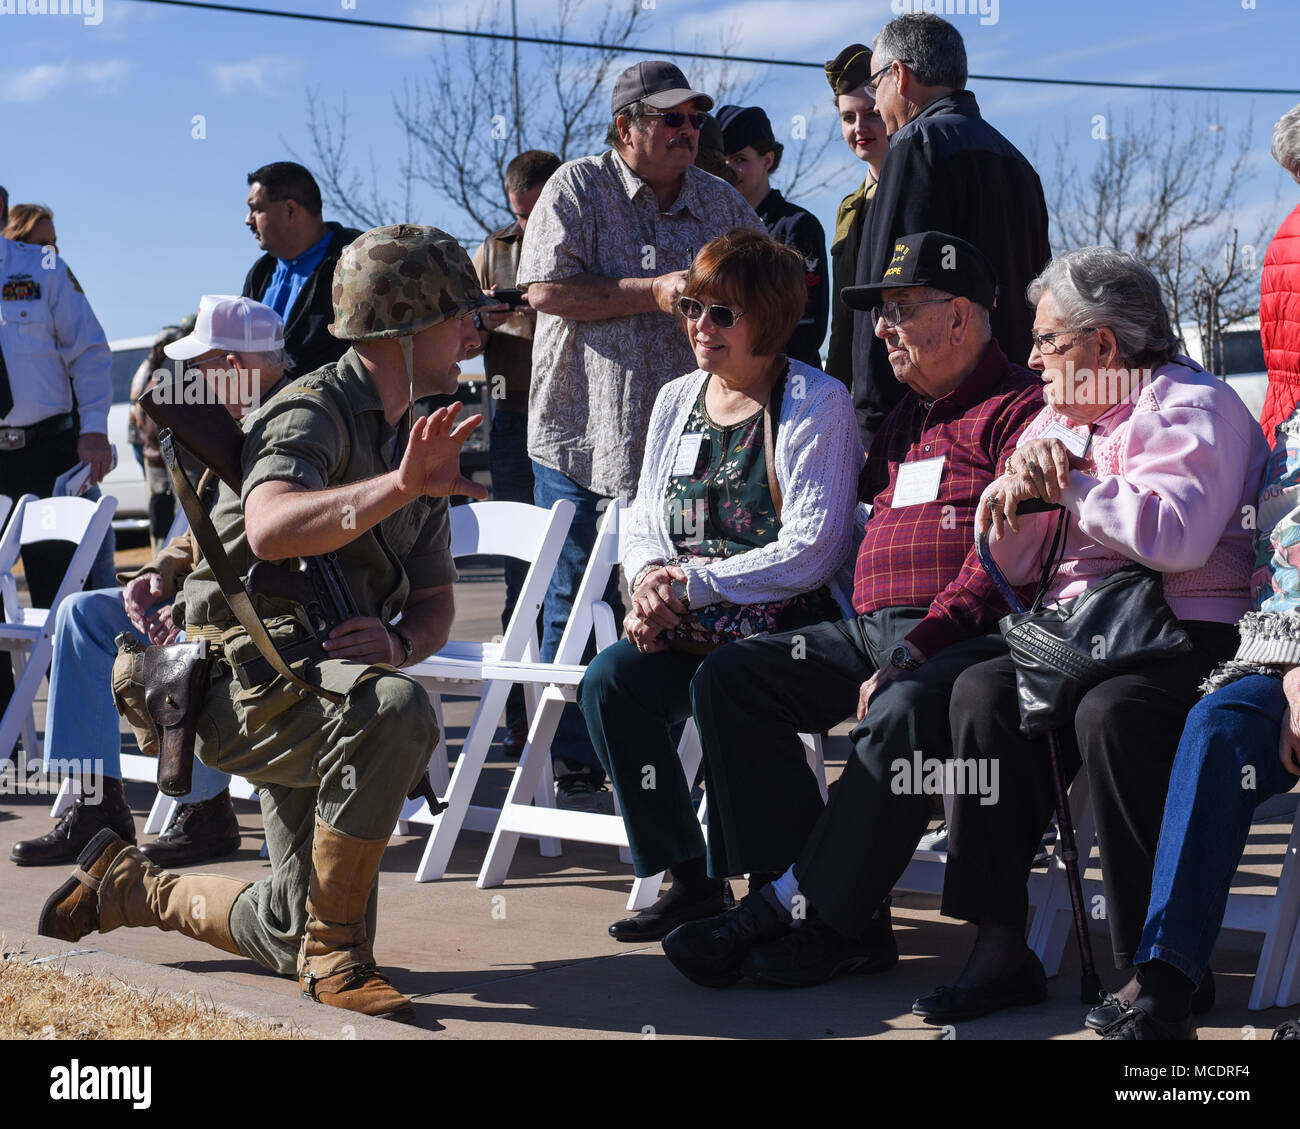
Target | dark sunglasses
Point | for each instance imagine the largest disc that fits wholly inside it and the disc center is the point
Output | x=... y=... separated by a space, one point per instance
x=675 y=119
x=724 y=317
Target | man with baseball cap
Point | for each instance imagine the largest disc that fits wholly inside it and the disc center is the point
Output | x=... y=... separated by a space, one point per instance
x=604 y=260
x=924 y=611
x=754 y=154
x=236 y=346
x=333 y=464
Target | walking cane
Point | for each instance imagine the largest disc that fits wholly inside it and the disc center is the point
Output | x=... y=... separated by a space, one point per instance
x=1089 y=982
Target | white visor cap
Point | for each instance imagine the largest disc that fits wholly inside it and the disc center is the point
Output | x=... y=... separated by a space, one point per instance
x=231 y=324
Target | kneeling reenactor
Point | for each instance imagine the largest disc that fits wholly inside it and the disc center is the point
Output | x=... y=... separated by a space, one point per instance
x=331 y=465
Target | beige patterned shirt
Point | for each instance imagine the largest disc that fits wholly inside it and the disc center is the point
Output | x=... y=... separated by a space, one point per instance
x=595 y=382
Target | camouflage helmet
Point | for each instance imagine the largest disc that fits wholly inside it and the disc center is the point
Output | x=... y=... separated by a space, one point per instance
x=394 y=281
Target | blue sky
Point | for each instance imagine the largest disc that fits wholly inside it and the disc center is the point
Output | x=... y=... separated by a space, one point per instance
x=96 y=121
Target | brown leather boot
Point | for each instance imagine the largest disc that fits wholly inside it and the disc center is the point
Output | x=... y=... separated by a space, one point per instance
x=114 y=885
x=336 y=965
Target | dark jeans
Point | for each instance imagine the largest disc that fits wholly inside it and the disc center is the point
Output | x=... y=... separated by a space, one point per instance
x=1126 y=730
x=1227 y=764
x=753 y=698
x=512 y=481
x=634 y=705
x=571 y=742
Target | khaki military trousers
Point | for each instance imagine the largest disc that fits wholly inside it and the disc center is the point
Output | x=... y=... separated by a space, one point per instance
x=352 y=764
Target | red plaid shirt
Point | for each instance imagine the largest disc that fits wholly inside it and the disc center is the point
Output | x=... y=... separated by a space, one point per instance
x=924 y=555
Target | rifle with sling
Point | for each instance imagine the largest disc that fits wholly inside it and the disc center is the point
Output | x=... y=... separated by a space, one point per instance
x=211 y=435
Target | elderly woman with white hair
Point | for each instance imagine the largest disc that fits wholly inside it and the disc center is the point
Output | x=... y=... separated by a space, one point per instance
x=1279 y=292
x=1155 y=461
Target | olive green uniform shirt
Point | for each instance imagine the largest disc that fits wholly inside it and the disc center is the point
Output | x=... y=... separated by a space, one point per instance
x=327 y=429
x=850 y=222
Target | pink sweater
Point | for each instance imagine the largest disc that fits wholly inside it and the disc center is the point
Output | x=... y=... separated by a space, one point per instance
x=1173 y=477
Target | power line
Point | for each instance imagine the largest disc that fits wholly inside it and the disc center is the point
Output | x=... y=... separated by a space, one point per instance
x=465 y=33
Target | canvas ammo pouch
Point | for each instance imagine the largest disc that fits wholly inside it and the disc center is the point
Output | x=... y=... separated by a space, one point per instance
x=171 y=679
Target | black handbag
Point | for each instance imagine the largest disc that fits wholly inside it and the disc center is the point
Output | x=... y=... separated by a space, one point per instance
x=1061 y=652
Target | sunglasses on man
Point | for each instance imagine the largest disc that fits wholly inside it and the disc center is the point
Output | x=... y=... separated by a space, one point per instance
x=675 y=119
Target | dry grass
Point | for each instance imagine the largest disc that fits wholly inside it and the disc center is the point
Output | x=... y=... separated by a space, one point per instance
x=41 y=1001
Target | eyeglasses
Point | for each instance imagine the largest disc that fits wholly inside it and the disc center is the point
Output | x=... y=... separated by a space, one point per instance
x=675 y=119
x=724 y=317
x=1047 y=344
x=893 y=314
x=873 y=81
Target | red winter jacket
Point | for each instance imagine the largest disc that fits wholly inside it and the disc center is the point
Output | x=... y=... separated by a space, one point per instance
x=1279 y=323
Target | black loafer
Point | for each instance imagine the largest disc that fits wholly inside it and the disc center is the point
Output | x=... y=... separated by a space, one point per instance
x=72 y=834
x=814 y=953
x=660 y=919
x=1027 y=985
x=710 y=952
x=1138 y=1023
x=1112 y=1008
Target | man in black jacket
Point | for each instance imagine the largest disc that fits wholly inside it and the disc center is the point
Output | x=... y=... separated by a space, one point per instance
x=296 y=275
x=947 y=170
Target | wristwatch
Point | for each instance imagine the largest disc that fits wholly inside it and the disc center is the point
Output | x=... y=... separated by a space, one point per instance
x=679 y=590
x=901 y=658
x=646 y=571
x=407 y=647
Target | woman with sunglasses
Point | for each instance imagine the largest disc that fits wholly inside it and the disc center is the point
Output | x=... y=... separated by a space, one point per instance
x=1155 y=462
x=743 y=516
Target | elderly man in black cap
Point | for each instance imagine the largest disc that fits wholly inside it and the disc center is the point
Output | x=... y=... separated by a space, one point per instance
x=604 y=260
x=754 y=154
x=924 y=611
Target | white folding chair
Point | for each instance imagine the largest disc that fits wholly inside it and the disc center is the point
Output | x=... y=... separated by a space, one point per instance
x=1277 y=917
x=28 y=633
x=560 y=680
x=510 y=529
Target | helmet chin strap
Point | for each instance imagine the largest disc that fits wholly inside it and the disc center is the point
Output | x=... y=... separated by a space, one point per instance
x=407 y=356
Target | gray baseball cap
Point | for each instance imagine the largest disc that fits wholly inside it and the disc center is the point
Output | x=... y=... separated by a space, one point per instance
x=657 y=83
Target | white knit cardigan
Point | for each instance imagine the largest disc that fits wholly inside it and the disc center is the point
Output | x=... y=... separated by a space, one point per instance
x=818 y=459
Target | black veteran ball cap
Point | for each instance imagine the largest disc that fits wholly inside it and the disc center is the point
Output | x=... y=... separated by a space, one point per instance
x=931 y=258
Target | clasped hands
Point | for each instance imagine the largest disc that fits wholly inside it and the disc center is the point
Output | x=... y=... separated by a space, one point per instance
x=1038 y=469
x=655 y=609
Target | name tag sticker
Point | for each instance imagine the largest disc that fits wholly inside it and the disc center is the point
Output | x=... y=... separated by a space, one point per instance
x=688 y=453
x=918 y=482
x=1075 y=443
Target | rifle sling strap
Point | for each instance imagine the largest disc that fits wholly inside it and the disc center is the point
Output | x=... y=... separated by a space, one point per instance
x=232 y=588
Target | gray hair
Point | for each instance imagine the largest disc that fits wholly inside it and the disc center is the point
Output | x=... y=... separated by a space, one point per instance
x=635 y=112
x=1286 y=141
x=272 y=362
x=1099 y=286
x=930 y=46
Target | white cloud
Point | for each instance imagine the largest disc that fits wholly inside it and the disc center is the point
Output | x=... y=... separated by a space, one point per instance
x=31 y=84
x=253 y=73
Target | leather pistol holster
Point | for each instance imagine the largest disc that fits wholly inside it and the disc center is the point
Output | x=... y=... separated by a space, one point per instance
x=175 y=680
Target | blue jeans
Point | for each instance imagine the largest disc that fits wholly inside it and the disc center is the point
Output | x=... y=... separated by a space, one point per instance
x=572 y=742
x=1230 y=737
x=81 y=727
x=512 y=481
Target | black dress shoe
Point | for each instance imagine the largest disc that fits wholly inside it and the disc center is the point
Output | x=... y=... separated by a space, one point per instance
x=197 y=832
x=673 y=909
x=814 y=952
x=1027 y=985
x=1137 y=1022
x=1112 y=1007
x=710 y=951
x=79 y=825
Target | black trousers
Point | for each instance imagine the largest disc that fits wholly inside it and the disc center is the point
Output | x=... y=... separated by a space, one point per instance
x=753 y=698
x=1126 y=730
x=32 y=470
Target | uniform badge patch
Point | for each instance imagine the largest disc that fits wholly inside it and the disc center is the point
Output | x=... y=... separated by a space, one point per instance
x=72 y=278
x=20 y=288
